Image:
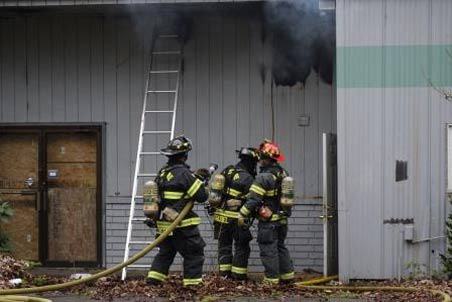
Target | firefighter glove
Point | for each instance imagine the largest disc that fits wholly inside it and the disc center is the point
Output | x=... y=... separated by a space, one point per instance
x=150 y=223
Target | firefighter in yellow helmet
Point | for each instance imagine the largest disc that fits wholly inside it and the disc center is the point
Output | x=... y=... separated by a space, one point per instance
x=264 y=201
x=176 y=185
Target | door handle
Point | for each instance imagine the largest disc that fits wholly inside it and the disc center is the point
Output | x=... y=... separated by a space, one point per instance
x=29 y=182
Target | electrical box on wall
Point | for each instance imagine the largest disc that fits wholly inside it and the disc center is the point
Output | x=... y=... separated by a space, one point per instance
x=303 y=120
x=408 y=232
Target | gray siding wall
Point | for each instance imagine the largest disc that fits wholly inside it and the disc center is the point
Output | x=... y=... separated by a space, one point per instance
x=387 y=51
x=82 y=68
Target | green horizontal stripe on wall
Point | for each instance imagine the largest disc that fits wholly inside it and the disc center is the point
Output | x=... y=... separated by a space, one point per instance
x=394 y=66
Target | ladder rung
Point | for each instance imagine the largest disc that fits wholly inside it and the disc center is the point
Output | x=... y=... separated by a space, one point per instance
x=138 y=197
x=168 y=36
x=164 y=71
x=169 y=52
x=139 y=219
x=139 y=266
x=161 y=91
x=146 y=175
x=156 y=132
x=140 y=242
x=159 y=111
x=150 y=153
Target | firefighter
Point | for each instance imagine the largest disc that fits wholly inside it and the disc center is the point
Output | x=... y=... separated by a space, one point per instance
x=264 y=201
x=177 y=185
x=237 y=181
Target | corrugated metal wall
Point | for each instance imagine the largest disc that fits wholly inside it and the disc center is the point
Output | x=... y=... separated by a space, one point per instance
x=82 y=68
x=388 y=112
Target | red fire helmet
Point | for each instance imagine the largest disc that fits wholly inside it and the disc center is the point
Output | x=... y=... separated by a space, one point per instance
x=270 y=149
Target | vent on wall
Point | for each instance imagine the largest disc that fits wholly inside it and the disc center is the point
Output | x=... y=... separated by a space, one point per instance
x=401 y=171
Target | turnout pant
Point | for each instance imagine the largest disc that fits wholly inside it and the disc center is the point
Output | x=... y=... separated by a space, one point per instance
x=274 y=254
x=229 y=234
x=189 y=243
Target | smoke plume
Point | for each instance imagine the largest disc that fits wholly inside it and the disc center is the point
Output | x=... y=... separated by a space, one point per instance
x=303 y=39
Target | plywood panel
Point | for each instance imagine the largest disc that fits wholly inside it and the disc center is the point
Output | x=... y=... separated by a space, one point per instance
x=22 y=229
x=74 y=175
x=71 y=147
x=18 y=158
x=18 y=161
x=72 y=224
x=71 y=196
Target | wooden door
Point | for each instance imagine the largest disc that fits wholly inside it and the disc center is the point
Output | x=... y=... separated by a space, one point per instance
x=71 y=167
x=19 y=186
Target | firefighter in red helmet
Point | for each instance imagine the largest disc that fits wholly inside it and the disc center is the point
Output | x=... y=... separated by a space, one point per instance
x=264 y=201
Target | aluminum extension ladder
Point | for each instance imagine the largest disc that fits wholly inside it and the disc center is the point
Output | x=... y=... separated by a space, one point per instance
x=138 y=175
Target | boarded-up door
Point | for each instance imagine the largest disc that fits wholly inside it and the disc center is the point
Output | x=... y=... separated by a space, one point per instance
x=19 y=187
x=71 y=197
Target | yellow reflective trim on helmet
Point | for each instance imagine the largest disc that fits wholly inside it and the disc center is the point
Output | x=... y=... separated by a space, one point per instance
x=239 y=270
x=244 y=211
x=271 y=280
x=172 y=195
x=225 y=267
x=194 y=188
x=195 y=281
x=287 y=276
x=257 y=189
x=232 y=192
x=157 y=276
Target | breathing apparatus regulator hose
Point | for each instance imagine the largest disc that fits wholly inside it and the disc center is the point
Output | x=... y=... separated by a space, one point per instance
x=6 y=295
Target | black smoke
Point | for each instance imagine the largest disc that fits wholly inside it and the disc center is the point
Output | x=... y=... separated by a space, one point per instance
x=303 y=39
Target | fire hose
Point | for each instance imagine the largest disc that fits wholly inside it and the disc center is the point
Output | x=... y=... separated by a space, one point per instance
x=8 y=293
x=312 y=284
